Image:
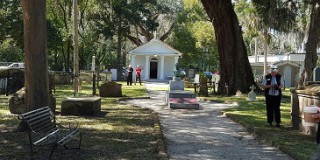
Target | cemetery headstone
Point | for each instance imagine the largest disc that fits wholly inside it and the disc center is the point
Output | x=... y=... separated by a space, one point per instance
x=197 y=78
x=81 y=106
x=177 y=98
x=215 y=80
x=113 y=74
x=191 y=73
x=176 y=85
x=239 y=93
x=110 y=89
x=316 y=74
x=252 y=96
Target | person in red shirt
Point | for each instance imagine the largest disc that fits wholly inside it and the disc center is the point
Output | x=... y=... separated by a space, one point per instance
x=138 y=74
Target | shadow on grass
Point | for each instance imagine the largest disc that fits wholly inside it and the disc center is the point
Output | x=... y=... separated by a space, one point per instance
x=123 y=132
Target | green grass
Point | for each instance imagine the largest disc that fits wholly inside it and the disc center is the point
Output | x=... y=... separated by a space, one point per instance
x=120 y=132
x=252 y=114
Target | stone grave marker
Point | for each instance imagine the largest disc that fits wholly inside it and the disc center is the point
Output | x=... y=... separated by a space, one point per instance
x=197 y=78
x=239 y=93
x=316 y=74
x=215 y=80
x=252 y=95
x=176 y=85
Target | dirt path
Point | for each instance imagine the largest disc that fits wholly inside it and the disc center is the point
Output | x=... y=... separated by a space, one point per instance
x=205 y=133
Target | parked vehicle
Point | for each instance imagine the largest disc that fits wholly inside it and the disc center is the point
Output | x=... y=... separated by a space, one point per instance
x=16 y=65
x=13 y=65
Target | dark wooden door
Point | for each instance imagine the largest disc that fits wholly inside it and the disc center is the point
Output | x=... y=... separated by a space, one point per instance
x=153 y=70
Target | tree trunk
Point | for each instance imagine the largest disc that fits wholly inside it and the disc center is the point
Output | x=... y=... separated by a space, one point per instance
x=36 y=61
x=68 y=55
x=266 y=42
x=98 y=72
x=310 y=61
x=236 y=71
x=124 y=55
x=119 y=65
x=35 y=44
x=76 y=81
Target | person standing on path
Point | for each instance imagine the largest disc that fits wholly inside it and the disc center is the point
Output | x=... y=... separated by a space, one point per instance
x=273 y=85
x=138 y=74
x=129 y=78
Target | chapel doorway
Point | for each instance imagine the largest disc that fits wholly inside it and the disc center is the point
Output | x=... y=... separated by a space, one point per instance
x=154 y=68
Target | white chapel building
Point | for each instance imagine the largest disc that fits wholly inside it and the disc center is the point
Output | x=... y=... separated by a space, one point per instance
x=156 y=59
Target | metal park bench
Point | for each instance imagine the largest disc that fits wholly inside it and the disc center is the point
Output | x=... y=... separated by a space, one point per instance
x=43 y=131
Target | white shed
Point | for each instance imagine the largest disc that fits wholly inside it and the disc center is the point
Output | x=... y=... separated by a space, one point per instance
x=156 y=59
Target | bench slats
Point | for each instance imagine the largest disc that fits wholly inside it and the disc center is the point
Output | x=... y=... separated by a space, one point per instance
x=68 y=137
x=44 y=127
x=39 y=120
x=45 y=130
x=38 y=116
x=50 y=138
x=41 y=124
x=35 y=112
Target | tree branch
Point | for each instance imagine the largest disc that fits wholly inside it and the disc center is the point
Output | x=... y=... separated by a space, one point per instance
x=166 y=35
x=134 y=40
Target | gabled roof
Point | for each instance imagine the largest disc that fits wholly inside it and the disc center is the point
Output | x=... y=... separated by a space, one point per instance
x=155 y=46
x=280 y=63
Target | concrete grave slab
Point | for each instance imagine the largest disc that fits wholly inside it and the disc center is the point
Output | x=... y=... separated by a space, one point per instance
x=82 y=106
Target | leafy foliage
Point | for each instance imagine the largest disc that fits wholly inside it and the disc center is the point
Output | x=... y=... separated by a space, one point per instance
x=9 y=52
x=11 y=23
x=194 y=37
x=276 y=14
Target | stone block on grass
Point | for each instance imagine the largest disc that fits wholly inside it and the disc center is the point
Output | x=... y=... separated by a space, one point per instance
x=110 y=89
x=81 y=106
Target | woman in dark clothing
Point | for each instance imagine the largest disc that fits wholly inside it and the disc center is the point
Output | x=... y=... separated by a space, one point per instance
x=272 y=85
x=129 y=78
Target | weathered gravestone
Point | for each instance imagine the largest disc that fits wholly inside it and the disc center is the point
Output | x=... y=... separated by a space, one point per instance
x=197 y=78
x=196 y=82
x=252 y=96
x=177 y=98
x=110 y=89
x=215 y=81
x=191 y=73
x=176 y=85
x=316 y=74
x=17 y=104
x=81 y=106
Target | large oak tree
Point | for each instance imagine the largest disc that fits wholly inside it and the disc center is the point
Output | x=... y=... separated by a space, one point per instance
x=35 y=48
x=311 y=58
x=235 y=69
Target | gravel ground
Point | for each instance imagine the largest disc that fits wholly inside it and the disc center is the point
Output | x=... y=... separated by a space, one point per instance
x=205 y=133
